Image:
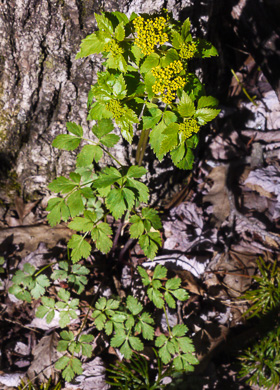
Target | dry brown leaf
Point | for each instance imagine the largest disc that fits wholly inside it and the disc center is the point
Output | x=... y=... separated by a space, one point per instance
x=23 y=209
x=218 y=194
x=93 y=377
x=45 y=355
x=29 y=237
x=189 y=282
x=266 y=181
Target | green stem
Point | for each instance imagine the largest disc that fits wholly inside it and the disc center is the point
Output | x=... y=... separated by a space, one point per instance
x=169 y=329
x=104 y=150
x=243 y=88
x=109 y=154
x=43 y=269
x=142 y=144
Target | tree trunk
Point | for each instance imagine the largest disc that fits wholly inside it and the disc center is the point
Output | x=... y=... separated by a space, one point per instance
x=42 y=86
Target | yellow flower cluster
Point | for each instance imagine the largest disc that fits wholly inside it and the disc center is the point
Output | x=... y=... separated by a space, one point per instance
x=189 y=127
x=149 y=33
x=187 y=50
x=167 y=83
x=115 y=108
x=113 y=47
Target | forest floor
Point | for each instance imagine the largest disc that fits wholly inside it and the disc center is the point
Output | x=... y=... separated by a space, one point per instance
x=222 y=220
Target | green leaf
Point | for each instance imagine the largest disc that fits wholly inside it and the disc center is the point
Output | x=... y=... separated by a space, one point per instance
x=173 y=284
x=83 y=224
x=110 y=140
x=181 y=294
x=170 y=140
x=64 y=319
x=87 y=350
x=205 y=49
x=120 y=16
x=29 y=268
x=138 y=55
x=99 y=111
x=186 y=162
x=136 y=343
x=104 y=23
x=76 y=366
x=171 y=56
x=120 y=32
x=152 y=216
x=177 y=39
x=65 y=335
x=49 y=302
x=104 y=127
x=143 y=191
x=186 y=106
x=42 y=311
x=204 y=115
x=81 y=248
x=93 y=44
x=156 y=297
x=119 y=87
x=42 y=281
x=133 y=305
x=126 y=122
x=108 y=177
x=137 y=227
x=86 y=338
x=66 y=142
x=75 y=203
x=64 y=295
x=62 y=185
x=144 y=275
x=144 y=326
x=170 y=300
x=136 y=172
x=149 y=82
x=184 y=362
x=164 y=354
x=169 y=117
x=99 y=319
x=150 y=243
x=116 y=62
x=88 y=154
x=118 y=339
x=62 y=362
x=186 y=28
x=75 y=129
x=79 y=269
x=179 y=330
x=207 y=101
x=149 y=122
x=160 y=272
x=126 y=350
x=150 y=62
x=119 y=200
x=100 y=235
x=50 y=316
x=156 y=138
x=186 y=345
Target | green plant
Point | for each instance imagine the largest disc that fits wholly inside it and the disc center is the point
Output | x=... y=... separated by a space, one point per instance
x=260 y=363
x=146 y=86
x=137 y=375
x=266 y=295
x=28 y=385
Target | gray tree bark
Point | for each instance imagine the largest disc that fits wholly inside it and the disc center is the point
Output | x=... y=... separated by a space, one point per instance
x=42 y=86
